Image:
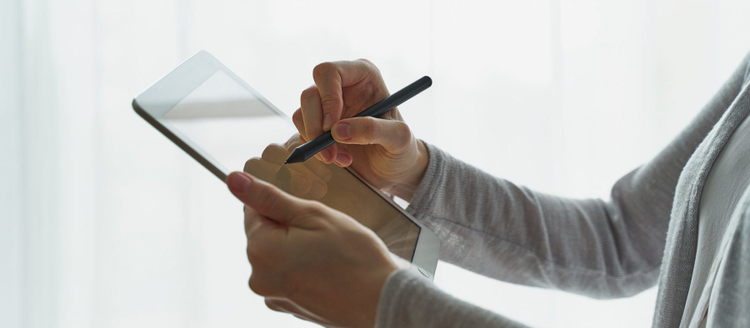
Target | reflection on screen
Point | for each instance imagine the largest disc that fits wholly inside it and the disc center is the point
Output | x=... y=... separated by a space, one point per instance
x=234 y=129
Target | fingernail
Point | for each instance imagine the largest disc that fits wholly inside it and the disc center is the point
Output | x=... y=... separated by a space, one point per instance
x=239 y=182
x=343 y=159
x=323 y=155
x=327 y=122
x=343 y=131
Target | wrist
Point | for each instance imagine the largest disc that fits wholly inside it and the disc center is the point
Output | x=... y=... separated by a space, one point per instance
x=380 y=279
x=406 y=188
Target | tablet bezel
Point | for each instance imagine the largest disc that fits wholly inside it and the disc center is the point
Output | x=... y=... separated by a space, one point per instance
x=163 y=95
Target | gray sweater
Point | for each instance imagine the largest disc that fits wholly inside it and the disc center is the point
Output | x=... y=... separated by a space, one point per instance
x=646 y=233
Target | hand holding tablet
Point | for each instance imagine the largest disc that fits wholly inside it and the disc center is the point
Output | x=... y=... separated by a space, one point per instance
x=337 y=188
x=310 y=260
x=321 y=239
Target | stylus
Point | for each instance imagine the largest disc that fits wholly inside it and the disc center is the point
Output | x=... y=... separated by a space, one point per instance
x=312 y=147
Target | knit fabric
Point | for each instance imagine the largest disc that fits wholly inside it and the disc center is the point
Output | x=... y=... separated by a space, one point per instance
x=646 y=233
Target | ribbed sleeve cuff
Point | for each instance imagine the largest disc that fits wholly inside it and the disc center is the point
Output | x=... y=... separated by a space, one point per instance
x=421 y=202
x=392 y=306
x=410 y=301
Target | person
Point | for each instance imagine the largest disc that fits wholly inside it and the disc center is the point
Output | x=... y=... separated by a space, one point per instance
x=682 y=219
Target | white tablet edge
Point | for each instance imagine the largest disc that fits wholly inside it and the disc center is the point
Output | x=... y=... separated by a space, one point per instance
x=163 y=96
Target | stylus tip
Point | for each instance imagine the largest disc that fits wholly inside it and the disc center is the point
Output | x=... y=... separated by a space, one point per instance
x=296 y=157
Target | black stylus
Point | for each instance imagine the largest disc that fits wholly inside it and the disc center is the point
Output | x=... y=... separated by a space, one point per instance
x=312 y=147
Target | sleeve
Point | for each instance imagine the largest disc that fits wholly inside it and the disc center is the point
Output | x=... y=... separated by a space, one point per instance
x=597 y=248
x=410 y=301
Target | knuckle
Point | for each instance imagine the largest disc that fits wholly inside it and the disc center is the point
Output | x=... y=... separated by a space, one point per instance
x=290 y=144
x=254 y=255
x=402 y=133
x=274 y=306
x=330 y=101
x=272 y=151
x=402 y=127
x=309 y=94
x=369 y=64
x=315 y=209
x=299 y=123
x=259 y=286
x=297 y=116
x=250 y=164
x=323 y=70
x=268 y=197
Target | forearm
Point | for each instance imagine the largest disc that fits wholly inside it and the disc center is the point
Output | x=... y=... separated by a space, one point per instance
x=587 y=246
x=410 y=301
x=508 y=232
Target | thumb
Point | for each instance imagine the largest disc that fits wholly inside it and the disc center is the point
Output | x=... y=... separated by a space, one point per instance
x=394 y=136
x=266 y=199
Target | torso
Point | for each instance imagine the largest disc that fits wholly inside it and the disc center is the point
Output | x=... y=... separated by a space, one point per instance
x=725 y=184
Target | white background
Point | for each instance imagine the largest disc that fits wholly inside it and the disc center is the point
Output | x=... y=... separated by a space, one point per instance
x=105 y=223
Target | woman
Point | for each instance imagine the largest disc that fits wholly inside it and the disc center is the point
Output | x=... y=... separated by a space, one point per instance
x=682 y=220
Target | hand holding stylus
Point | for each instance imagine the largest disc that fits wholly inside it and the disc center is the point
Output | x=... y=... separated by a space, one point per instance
x=382 y=150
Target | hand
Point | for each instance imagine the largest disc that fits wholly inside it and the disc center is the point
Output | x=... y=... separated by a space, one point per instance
x=309 y=260
x=331 y=185
x=382 y=150
x=306 y=180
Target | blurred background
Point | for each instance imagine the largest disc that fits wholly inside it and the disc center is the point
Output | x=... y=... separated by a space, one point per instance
x=105 y=223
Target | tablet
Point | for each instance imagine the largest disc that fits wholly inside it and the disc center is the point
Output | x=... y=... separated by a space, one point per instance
x=225 y=125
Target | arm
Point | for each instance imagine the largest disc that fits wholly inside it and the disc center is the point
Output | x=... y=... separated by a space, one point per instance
x=592 y=247
x=586 y=246
x=410 y=301
x=323 y=266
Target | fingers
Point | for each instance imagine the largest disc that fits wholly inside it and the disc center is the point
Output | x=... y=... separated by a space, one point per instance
x=299 y=123
x=311 y=121
x=261 y=169
x=286 y=306
x=394 y=136
x=322 y=105
x=312 y=112
x=301 y=179
x=331 y=78
x=343 y=157
x=320 y=169
x=291 y=181
x=306 y=180
x=268 y=200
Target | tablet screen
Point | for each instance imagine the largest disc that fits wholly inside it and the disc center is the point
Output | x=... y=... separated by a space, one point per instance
x=233 y=128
